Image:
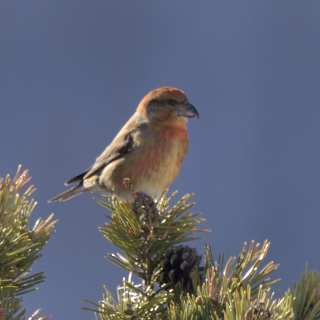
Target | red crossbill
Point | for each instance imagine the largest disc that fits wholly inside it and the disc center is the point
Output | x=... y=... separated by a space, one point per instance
x=148 y=150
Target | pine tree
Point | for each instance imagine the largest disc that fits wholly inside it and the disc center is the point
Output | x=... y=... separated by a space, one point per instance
x=19 y=245
x=174 y=285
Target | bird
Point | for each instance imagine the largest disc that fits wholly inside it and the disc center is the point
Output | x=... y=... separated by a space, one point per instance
x=148 y=150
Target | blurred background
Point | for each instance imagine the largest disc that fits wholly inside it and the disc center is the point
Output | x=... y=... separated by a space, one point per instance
x=73 y=72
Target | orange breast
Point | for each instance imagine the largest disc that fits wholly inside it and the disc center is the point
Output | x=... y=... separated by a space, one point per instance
x=155 y=163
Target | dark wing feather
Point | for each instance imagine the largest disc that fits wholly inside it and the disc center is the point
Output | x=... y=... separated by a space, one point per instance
x=77 y=178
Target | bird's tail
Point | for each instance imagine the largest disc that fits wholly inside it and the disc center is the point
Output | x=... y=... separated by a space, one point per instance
x=69 y=193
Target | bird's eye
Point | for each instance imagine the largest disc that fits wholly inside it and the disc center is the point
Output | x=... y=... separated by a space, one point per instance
x=171 y=102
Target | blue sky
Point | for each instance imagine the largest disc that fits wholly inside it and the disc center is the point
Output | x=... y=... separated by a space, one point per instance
x=73 y=72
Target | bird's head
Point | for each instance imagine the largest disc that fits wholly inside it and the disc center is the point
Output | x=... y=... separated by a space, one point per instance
x=165 y=105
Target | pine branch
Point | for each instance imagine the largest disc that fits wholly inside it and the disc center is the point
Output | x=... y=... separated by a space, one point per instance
x=173 y=284
x=147 y=231
x=151 y=238
x=245 y=272
x=20 y=246
x=225 y=292
x=306 y=304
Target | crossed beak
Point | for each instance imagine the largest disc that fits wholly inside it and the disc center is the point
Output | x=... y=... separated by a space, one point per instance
x=188 y=110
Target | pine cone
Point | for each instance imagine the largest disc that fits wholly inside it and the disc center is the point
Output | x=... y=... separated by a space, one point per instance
x=178 y=265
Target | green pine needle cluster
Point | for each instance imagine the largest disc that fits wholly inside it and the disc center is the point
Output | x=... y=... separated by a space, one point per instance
x=306 y=304
x=20 y=245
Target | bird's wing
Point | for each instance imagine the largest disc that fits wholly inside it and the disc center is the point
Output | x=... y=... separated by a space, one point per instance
x=120 y=146
x=116 y=150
